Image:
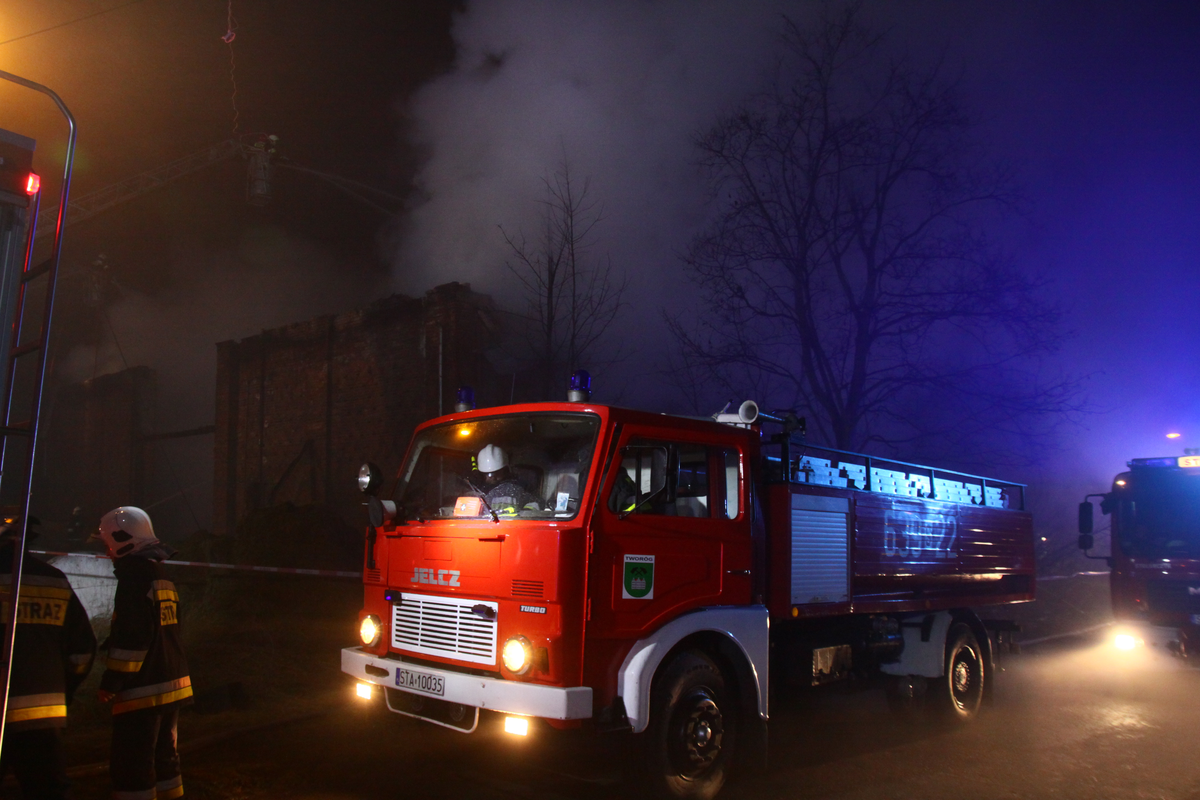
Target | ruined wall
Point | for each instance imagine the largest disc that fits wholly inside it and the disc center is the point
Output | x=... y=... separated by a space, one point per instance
x=299 y=408
x=92 y=452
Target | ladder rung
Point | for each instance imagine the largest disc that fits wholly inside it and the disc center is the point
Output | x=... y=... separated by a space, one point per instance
x=35 y=272
x=20 y=429
x=25 y=349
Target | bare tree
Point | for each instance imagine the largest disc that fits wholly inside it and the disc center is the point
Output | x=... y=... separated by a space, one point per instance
x=846 y=272
x=572 y=298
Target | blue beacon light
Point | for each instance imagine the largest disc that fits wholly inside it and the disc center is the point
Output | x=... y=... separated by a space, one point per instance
x=464 y=399
x=581 y=387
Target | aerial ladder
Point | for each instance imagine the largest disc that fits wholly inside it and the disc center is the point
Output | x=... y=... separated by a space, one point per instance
x=24 y=357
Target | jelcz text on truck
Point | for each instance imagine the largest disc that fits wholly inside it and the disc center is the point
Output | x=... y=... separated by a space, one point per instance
x=667 y=570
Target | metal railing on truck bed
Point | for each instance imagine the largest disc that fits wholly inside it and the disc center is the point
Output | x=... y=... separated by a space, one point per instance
x=827 y=466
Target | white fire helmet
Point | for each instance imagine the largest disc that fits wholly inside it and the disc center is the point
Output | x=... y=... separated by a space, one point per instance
x=125 y=530
x=492 y=459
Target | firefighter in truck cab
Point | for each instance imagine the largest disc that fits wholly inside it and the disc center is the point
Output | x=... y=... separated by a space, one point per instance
x=572 y=564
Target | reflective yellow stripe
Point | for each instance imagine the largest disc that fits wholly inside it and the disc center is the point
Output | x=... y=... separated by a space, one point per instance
x=163 y=590
x=28 y=580
x=152 y=700
x=40 y=592
x=117 y=665
x=170 y=794
x=144 y=794
x=170 y=783
x=36 y=712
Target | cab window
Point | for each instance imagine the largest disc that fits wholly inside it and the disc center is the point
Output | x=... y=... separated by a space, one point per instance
x=728 y=483
x=678 y=479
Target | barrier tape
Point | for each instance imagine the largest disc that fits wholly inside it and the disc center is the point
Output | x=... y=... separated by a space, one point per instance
x=323 y=573
x=330 y=573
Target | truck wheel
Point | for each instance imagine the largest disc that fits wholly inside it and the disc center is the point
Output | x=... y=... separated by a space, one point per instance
x=960 y=689
x=693 y=729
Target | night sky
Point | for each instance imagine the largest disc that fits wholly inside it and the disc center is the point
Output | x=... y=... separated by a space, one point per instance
x=460 y=109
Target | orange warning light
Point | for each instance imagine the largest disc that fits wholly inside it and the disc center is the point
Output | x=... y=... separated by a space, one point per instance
x=33 y=184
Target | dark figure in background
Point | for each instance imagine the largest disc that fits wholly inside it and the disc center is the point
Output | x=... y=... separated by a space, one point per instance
x=503 y=490
x=53 y=653
x=147 y=675
x=76 y=527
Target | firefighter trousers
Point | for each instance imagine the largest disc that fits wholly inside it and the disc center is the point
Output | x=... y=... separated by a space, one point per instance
x=36 y=759
x=144 y=763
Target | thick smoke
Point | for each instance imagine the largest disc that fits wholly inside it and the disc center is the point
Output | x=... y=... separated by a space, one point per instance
x=269 y=279
x=614 y=89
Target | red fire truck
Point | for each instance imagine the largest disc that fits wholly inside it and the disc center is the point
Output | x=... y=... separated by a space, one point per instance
x=580 y=564
x=1155 y=553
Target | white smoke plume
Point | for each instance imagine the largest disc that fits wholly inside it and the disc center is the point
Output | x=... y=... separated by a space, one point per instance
x=617 y=89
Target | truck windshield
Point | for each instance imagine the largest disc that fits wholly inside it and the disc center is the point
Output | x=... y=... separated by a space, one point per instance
x=1159 y=515
x=521 y=466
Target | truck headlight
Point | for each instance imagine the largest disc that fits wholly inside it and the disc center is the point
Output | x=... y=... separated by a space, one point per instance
x=517 y=655
x=369 y=630
x=1127 y=640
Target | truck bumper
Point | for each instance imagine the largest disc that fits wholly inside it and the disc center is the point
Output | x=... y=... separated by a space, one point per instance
x=494 y=694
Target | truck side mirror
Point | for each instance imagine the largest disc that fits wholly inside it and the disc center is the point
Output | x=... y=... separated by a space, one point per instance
x=1085 y=519
x=1086 y=541
x=380 y=512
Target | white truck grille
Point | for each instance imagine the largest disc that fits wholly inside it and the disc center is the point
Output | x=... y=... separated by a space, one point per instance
x=450 y=627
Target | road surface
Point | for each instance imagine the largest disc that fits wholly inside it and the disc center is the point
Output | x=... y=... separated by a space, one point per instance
x=1069 y=721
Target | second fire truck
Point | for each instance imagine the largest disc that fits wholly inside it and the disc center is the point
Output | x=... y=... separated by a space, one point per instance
x=1155 y=553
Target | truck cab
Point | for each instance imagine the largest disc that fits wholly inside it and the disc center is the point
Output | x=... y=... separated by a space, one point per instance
x=1154 y=509
x=579 y=541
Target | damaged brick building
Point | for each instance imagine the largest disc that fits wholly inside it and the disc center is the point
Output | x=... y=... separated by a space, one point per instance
x=299 y=408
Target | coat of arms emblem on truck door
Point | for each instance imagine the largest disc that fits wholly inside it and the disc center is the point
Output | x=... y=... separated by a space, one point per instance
x=638 y=583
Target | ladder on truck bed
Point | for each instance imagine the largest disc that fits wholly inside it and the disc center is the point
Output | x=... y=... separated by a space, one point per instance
x=25 y=367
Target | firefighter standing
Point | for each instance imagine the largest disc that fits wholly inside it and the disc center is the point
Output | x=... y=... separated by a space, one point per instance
x=53 y=653
x=147 y=676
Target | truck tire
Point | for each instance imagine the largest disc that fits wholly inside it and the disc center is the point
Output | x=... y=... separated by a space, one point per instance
x=693 y=729
x=959 y=692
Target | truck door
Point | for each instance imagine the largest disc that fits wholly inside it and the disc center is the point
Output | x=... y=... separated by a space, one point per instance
x=672 y=532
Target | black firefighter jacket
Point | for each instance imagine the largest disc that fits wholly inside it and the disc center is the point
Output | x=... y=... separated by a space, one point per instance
x=54 y=646
x=146 y=668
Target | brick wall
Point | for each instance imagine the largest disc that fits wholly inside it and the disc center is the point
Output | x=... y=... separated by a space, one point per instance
x=299 y=408
x=91 y=452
